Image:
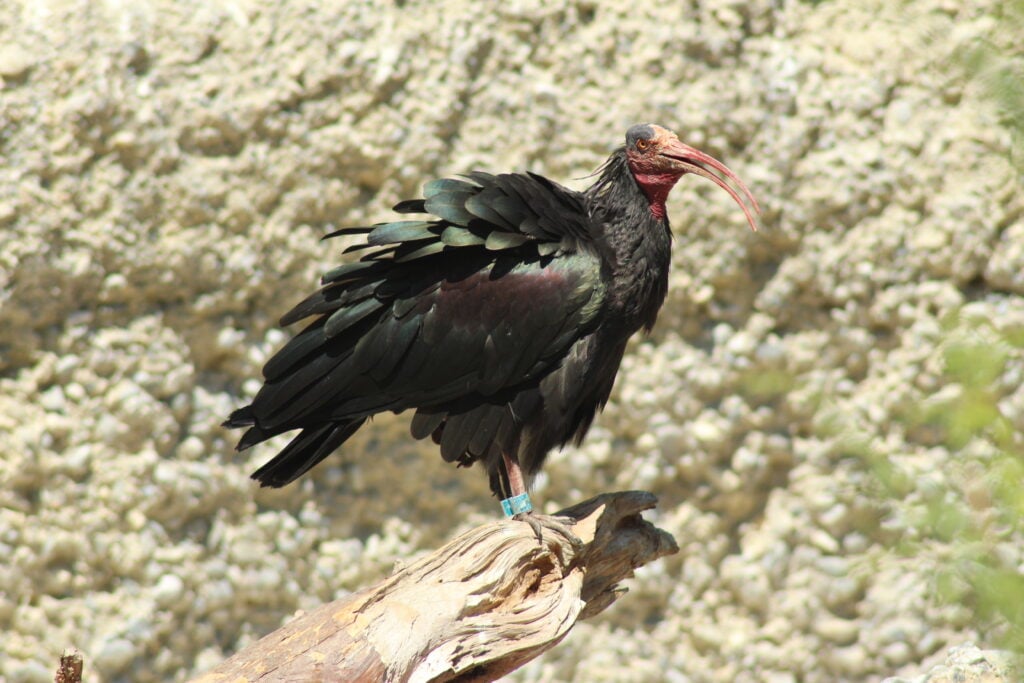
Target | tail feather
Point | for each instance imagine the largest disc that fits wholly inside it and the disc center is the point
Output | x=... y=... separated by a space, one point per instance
x=253 y=435
x=307 y=449
x=243 y=417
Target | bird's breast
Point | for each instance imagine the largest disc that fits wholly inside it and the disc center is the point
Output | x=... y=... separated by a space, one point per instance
x=638 y=291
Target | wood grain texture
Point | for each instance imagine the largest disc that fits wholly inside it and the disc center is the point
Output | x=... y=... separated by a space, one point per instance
x=479 y=607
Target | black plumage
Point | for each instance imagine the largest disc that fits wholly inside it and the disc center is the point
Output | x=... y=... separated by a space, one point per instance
x=500 y=318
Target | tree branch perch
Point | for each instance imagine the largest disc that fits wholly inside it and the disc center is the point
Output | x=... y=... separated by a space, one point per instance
x=474 y=610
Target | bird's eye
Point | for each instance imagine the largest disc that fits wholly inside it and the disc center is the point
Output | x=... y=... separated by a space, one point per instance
x=642 y=144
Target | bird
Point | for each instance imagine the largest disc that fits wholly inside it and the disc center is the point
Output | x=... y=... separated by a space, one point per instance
x=497 y=310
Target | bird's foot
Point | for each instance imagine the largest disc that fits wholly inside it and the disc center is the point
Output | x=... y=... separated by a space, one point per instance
x=538 y=522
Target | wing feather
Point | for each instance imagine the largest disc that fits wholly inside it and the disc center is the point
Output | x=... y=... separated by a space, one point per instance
x=450 y=206
x=458 y=431
x=491 y=418
x=402 y=231
x=497 y=241
x=346 y=317
x=425 y=421
x=482 y=206
x=460 y=237
x=477 y=300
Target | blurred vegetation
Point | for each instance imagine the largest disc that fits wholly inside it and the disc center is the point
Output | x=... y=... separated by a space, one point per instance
x=979 y=510
x=964 y=516
x=995 y=63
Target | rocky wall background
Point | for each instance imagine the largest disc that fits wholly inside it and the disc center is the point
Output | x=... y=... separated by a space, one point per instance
x=167 y=169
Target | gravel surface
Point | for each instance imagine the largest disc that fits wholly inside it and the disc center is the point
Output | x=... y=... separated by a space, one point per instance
x=168 y=168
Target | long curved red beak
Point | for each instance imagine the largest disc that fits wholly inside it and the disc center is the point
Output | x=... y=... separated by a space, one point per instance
x=691 y=160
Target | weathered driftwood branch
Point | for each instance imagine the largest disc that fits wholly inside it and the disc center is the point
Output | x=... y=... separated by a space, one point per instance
x=481 y=606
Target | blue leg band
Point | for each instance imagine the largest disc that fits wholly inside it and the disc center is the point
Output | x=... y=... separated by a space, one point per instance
x=516 y=504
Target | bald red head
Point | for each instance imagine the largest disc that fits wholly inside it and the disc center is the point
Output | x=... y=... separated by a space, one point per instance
x=658 y=160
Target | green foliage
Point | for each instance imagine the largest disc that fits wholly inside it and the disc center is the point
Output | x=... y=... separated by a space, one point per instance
x=972 y=364
x=986 y=505
x=766 y=385
x=961 y=514
x=981 y=505
x=973 y=506
x=996 y=63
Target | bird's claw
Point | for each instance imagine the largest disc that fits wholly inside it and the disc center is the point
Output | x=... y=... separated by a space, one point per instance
x=538 y=521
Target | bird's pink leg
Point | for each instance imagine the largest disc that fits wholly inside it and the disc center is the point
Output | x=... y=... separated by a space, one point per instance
x=515 y=475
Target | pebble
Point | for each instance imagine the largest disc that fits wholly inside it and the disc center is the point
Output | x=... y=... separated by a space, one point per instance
x=707 y=429
x=113 y=656
x=821 y=539
x=836 y=630
x=29 y=672
x=897 y=654
x=15 y=61
x=168 y=590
